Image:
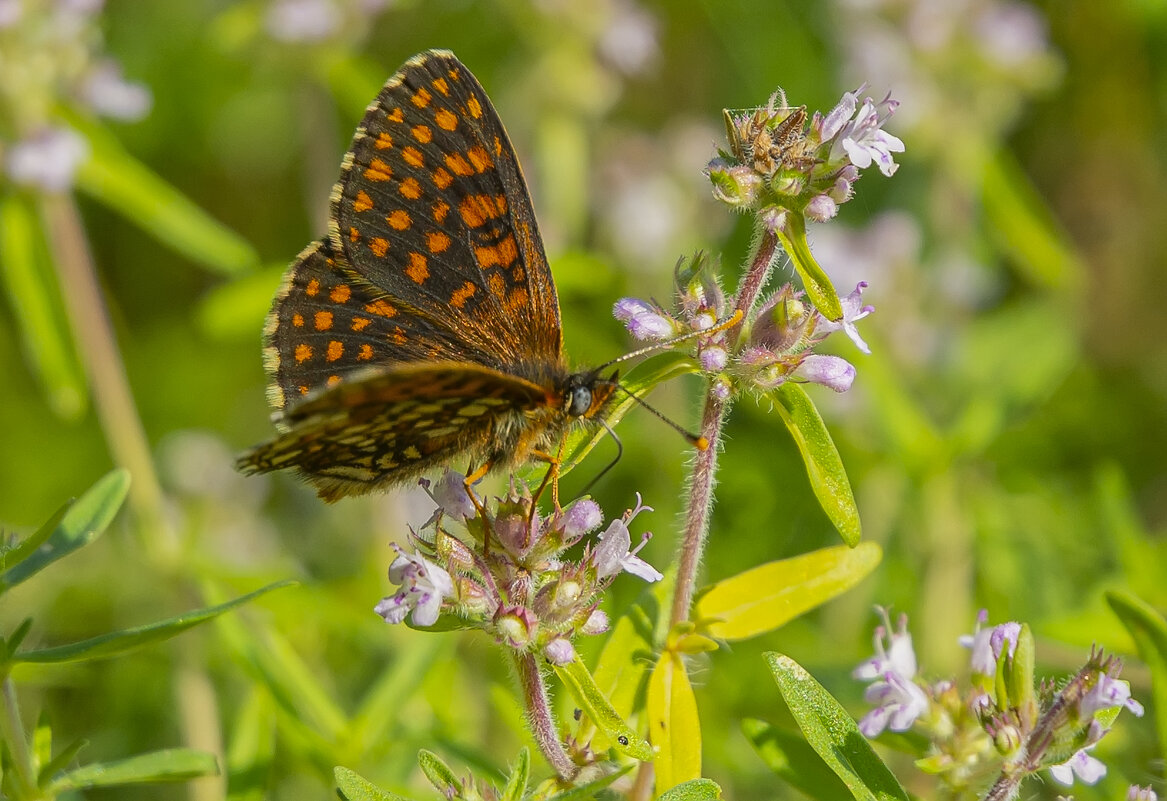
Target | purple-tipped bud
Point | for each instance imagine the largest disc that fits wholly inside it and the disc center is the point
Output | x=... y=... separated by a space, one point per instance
x=713 y=358
x=830 y=371
x=597 y=623
x=582 y=517
x=821 y=208
x=643 y=320
x=559 y=651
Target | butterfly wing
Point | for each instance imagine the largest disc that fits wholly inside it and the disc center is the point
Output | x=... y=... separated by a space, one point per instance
x=388 y=425
x=431 y=212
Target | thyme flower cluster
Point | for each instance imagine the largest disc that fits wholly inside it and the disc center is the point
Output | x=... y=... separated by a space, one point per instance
x=501 y=568
x=1003 y=724
x=777 y=162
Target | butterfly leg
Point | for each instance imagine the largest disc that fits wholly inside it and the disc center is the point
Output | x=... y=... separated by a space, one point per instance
x=472 y=478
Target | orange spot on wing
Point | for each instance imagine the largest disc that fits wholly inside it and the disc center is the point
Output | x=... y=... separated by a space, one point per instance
x=366 y=352
x=518 y=275
x=475 y=107
x=412 y=156
x=418 y=270
x=486 y=256
x=422 y=133
x=353 y=234
x=378 y=171
x=379 y=246
x=437 y=242
x=384 y=141
x=360 y=323
x=508 y=251
x=322 y=320
x=333 y=380
x=395 y=115
x=480 y=158
x=381 y=308
x=410 y=189
x=458 y=164
x=459 y=296
x=398 y=336
x=298 y=320
x=477 y=209
x=312 y=288
x=441 y=85
x=340 y=293
x=497 y=146
x=399 y=220
x=497 y=285
x=442 y=178
x=421 y=98
x=446 y=119
x=363 y=201
x=303 y=389
x=441 y=209
x=303 y=353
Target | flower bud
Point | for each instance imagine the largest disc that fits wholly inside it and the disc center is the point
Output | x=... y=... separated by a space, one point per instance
x=735 y=186
x=514 y=626
x=597 y=623
x=559 y=651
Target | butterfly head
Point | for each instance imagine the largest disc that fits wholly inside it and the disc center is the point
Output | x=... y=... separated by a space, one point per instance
x=586 y=394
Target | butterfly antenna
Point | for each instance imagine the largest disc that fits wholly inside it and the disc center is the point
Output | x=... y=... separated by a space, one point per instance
x=728 y=322
x=696 y=440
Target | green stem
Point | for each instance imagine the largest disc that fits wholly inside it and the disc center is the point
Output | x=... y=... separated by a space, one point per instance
x=97 y=345
x=17 y=743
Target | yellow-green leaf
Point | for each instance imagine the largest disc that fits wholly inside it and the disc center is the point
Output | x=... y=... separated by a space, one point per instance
x=673 y=724
x=828 y=479
x=765 y=597
x=595 y=704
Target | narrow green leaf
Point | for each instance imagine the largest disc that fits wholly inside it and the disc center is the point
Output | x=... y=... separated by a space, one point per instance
x=833 y=734
x=620 y=672
x=380 y=710
x=1149 y=631
x=587 y=792
x=30 y=281
x=520 y=775
x=119 y=642
x=353 y=787
x=673 y=723
x=815 y=281
x=439 y=773
x=251 y=748
x=82 y=523
x=172 y=765
x=795 y=762
x=597 y=707
x=828 y=479
x=768 y=596
x=694 y=790
x=29 y=545
x=57 y=764
x=16 y=638
x=118 y=180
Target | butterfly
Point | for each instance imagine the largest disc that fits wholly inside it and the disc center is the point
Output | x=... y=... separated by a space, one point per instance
x=425 y=327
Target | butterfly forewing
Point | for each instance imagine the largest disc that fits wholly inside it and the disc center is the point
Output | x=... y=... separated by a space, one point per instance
x=431 y=209
x=425 y=328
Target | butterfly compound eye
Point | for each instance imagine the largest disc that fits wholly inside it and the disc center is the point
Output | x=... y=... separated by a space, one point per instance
x=579 y=400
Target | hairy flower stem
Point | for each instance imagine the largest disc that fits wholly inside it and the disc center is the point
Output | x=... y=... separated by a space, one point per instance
x=539 y=716
x=712 y=420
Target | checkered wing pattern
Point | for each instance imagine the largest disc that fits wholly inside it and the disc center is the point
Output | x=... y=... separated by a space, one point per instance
x=431 y=210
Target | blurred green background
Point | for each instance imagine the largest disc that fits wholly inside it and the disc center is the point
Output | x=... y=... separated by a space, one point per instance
x=1005 y=441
